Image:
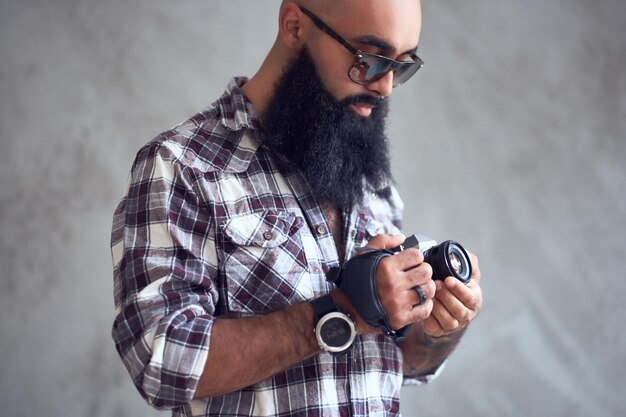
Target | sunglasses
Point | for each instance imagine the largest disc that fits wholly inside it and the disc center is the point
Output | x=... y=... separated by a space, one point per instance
x=367 y=68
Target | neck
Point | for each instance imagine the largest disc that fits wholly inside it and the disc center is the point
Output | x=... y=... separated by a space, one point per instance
x=260 y=88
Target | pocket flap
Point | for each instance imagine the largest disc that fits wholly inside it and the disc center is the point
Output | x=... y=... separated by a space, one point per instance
x=266 y=229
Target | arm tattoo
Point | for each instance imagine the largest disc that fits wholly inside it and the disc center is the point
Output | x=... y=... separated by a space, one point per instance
x=423 y=354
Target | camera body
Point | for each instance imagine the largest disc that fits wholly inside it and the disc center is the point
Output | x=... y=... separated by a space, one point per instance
x=446 y=259
x=357 y=276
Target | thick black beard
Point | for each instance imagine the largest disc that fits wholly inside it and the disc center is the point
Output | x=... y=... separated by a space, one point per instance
x=340 y=153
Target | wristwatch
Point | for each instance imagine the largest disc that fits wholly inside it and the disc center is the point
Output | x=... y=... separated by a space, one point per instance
x=335 y=331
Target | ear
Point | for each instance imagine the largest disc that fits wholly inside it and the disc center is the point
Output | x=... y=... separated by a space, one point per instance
x=291 y=25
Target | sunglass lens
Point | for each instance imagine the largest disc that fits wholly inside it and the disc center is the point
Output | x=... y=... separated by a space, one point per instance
x=367 y=68
x=404 y=72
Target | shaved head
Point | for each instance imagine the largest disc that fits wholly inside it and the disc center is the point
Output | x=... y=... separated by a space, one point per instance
x=396 y=21
x=320 y=5
x=343 y=6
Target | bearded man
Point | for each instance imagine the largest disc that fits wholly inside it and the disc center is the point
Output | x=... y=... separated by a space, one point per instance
x=233 y=220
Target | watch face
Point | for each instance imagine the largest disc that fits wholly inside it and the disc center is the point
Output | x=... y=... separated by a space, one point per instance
x=336 y=332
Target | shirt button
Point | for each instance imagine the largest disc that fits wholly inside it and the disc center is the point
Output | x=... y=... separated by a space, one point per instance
x=267 y=235
x=321 y=230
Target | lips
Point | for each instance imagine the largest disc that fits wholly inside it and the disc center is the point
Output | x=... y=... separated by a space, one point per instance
x=363 y=105
x=362 y=109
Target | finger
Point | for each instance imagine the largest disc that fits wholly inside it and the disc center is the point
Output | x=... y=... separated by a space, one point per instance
x=384 y=241
x=419 y=313
x=420 y=293
x=409 y=258
x=461 y=313
x=403 y=299
x=426 y=291
x=397 y=265
x=469 y=296
x=400 y=311
x=444 y=317
x=432 y=327
x=420 y=275
x=405 y=260
x=476 y=275
x=402 y=285
x=451 y=300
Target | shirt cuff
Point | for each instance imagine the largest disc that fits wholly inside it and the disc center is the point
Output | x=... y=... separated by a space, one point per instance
x=423 y=379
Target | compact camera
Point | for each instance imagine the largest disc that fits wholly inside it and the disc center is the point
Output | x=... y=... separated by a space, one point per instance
x=447 y=259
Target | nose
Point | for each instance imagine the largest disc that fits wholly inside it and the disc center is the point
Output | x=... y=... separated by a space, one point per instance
x=383 y=86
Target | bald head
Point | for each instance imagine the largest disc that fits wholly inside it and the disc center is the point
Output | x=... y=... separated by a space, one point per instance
x=380 y=18
x=320 y=5
x=343 y=7
x=389 y=28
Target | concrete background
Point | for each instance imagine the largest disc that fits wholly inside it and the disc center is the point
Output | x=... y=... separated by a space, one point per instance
x=511 y=140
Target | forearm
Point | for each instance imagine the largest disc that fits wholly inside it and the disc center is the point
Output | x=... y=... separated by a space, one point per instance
x=245 y=351
x=422 y=353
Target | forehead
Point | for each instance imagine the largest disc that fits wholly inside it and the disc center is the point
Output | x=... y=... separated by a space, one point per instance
x=395 y=22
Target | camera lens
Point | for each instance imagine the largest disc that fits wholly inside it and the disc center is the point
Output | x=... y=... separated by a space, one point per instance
x=449 y=259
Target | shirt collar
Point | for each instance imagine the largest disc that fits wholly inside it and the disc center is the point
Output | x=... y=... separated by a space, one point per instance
x=235 y=108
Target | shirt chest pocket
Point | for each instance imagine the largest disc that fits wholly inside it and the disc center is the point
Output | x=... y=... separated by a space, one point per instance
x=264 y=262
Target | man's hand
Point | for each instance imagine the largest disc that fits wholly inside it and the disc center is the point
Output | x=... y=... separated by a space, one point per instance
x=396 y=279
x=430 y=342
x=455 y=304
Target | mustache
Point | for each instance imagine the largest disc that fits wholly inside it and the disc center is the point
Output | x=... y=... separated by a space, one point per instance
x=362 y=99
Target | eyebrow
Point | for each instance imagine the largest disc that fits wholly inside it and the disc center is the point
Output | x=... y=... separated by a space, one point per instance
x=377 y=42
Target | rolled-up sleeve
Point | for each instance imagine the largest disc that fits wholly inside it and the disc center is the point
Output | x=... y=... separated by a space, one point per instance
x=165 y=264
x=423 y=379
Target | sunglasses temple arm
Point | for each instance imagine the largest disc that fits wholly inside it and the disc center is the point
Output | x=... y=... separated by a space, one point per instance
x=324 y=28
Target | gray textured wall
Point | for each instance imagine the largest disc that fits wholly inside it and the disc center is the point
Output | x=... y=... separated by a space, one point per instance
x=511 y=140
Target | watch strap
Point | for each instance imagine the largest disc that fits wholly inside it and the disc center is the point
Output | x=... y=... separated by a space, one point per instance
x=322 y=306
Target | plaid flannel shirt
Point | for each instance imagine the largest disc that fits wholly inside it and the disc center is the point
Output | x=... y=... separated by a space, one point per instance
x=211 y=225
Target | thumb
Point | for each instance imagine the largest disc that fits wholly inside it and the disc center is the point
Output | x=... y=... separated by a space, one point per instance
x=383 y=241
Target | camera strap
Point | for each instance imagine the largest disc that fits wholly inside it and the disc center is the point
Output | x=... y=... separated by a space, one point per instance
x=357 y=278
